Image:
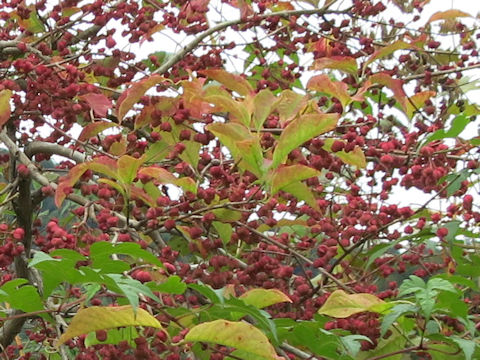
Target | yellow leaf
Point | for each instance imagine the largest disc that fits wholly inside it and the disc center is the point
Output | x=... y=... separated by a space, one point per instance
x=342 y=305
x=100 y=318
x=240 y=335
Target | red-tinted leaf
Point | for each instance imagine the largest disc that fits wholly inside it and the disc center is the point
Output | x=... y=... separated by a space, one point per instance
x=387 y=50
x=94 y=129
x=448 y=14
x=137 y=193
x=343 y=63
x=232 y=82
x=133 y=94
x=396 y=85
x=302 y=129
x=285 y=175
x=417 y=101
x=192 y=97
x=70 y=180
x=5 y=111
x=99 y=103
x=323 y=84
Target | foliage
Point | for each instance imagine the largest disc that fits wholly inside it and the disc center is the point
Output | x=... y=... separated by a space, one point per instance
x=295 y=180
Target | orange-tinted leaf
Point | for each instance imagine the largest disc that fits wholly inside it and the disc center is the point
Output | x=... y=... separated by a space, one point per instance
x=99 y=103
x=192 y=97
x=323 y=84
x=159 y=174
x=448 y=14
x=104 y=165
x=133 y=94
x=71 y=179
x=137 y=193
x=300 y=130
x=341 y=305
x=150 y=32
x=32 y=23
x=94 y=129
x=5 y=111
x=235 y=108
x=262 y=107
x=232 y=82
x=288 y=104
x=387 y=50
x=106 y=317
x=396 y=85
x=240 y=335
x=261 y=298
x=128 y=167
x=417 y=101
x=285 y=175
x=344 y=63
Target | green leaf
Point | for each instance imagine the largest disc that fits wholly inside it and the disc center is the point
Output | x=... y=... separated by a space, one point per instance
x=458 y=125
x=352 y=343
x=191 y=153
x=207 y=292
x=300 y=130
x=303 y=193
x=100 y=318
x=5 y=110
x=173 y=285
x=244 y=147
x=224 y=231
x=394 y=314
x=386 y=346
x=132 y=289
x=102 y=251
x=341 y=305
x=286 y=175
x=261 y=298
x=21 y=296
x=95 y=128
x=356 y=157
x=240 y=335
x=114 y=337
